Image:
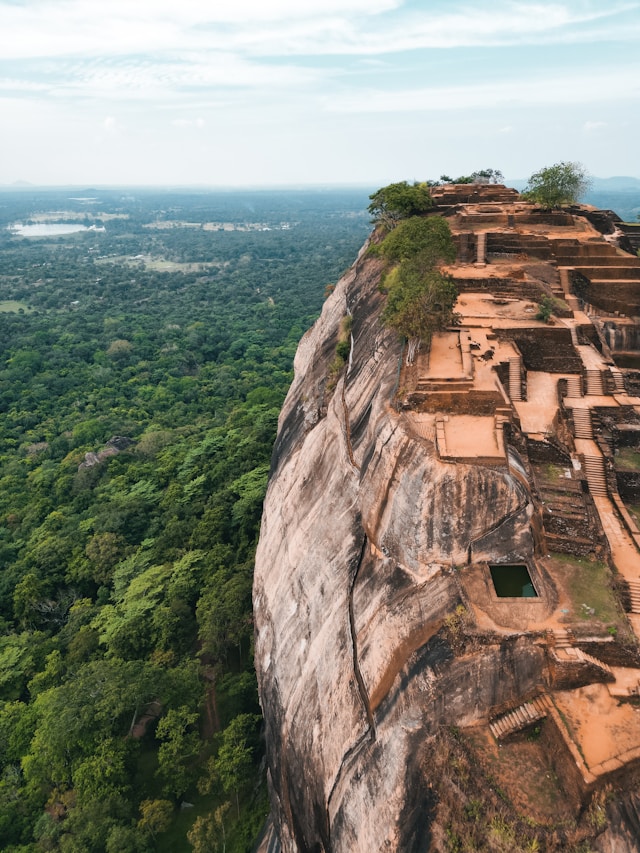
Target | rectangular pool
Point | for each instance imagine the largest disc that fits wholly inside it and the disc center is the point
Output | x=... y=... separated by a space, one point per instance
x=512 y=581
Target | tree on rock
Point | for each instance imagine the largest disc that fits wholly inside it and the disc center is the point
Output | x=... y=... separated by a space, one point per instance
x=398 y=201
x=428 y=237
x=418 y=303
x=557 y=185
x=420 y=299
x=481 y=176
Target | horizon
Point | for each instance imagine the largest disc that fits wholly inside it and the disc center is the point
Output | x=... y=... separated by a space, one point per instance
x=284 y=187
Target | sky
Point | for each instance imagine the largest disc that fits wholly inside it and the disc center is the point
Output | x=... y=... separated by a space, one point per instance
x=291 y=92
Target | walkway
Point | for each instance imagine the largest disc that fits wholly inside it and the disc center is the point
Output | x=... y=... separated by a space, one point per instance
x=541 y=407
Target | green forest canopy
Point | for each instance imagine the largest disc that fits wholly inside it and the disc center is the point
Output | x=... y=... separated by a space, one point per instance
x=142 y=370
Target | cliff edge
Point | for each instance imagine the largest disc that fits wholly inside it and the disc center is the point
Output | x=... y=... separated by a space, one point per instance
x=402 y=687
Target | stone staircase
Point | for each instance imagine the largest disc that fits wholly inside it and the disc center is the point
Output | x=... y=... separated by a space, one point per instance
x=574 y=336
x=515 y=377
x=596 y=475
x=563 y=648
x=587 y=658
x=618 y=380
x=519 y=718
x=634 y=595
x=582 y=426
x=562 y=639
x=595 y=385
x=574 y=386
x=481 y=257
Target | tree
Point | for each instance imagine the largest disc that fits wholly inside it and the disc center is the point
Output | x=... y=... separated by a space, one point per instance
x=208 y=832
x=419 y=303
x=487 y=176
x=155 y=816
x=420 y=299
x=429 y=237
x=398 y=201
x=178 y=750
x=481 y=176
x=222 y=612
x=233 y=766
x=557 y=185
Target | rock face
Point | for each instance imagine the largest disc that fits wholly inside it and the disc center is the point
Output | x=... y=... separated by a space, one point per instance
x=362 y=527
x=367 y=642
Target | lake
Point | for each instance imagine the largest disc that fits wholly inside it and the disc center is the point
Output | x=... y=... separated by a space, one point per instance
x=51 y=229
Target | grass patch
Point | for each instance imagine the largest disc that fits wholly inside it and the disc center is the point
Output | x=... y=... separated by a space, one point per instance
x=160 y=264
x=523 y=767
x=587 y=583
x=628 y=459
x=634 y=509
x=553 y=473
x=11 y=306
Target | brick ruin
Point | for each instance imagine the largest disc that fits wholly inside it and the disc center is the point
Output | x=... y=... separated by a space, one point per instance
x=558 y=401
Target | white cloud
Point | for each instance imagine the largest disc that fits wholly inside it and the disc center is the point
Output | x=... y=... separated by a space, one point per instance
x=569 y=89
x=39 y=28
x=187 y=122
x=110 y=125
x=155 y=81
x=593 y=126
x=50 y=28
x=303 y=72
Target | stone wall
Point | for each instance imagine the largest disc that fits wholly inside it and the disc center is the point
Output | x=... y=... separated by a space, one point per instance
x=545 y=349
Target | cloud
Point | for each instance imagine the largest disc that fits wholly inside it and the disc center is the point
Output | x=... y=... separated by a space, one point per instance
x=186 y=122
x=50 y=28
x=110 y=125
x=55 y=28
x=569 y=89
x=140 y=78
x=593 y=126
x=156 y=49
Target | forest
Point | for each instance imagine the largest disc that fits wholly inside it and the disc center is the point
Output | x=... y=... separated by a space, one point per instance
x=143 y=364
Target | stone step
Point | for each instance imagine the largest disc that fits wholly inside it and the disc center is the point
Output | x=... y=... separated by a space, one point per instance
x=564 y=281
x=618 y=380
x=515 y=378
x=562 y=638
x=596 y=475
x=518 y=718
x=633 y=586
x=574 y=386
x=574 y=336
x=583 y=427
x=593 y=660
x=595 y=386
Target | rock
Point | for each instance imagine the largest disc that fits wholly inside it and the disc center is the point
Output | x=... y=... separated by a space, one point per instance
x=377 y=627
x=362 y=524
x=114 y=445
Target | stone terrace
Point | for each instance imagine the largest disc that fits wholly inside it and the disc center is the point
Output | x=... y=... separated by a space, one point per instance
x=504 y=381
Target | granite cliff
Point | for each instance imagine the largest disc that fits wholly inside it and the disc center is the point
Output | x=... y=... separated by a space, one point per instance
x=400 y=688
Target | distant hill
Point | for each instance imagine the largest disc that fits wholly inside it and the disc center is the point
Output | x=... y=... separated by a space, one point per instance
x=620 y=183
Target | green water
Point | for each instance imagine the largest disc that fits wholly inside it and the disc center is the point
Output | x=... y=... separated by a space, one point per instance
x=512 y=581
